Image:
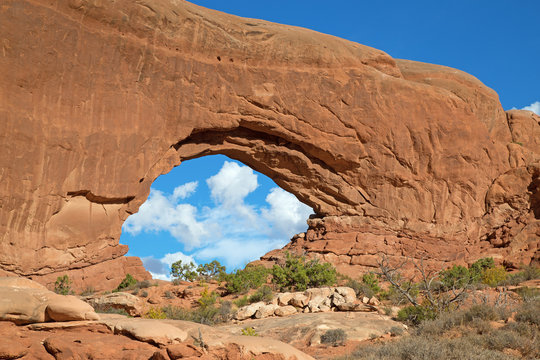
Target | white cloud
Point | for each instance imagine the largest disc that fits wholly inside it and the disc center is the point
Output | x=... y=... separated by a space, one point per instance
x=238 y=252
x=170 y=259
x=161 y=268
x=231 y=230
x=286 y=214
x=534 y=107
x=159 y=213
x=184 y=191
x=232 y=184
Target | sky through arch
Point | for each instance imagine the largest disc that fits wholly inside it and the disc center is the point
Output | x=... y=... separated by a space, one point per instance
x=212 y=208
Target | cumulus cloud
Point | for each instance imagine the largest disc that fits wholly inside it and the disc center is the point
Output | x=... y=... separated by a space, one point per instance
x=161 y=268
x=232 y=230
x=534 y=107
x=184 y=191
x=286 y=214
x=232 y=184
x=161 y=213
x=238 y=252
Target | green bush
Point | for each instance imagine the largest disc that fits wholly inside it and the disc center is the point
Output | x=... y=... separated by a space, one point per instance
x=88 y=291
x=297 y=274
x=457 y=277
x=494 y=276
x=156 y=313
x=183 y=271
x=62 y=285
x=416 y=314
x=252 y=277
x=208 y=315
x=242 y=301
x=479 y=266
x=529 y=312
x=127 y=283
x=264 y=293
x=249 y=331
x=480 y=312
x=527 y=293
x=334 y=337
x=108 y=309
x=207 y=298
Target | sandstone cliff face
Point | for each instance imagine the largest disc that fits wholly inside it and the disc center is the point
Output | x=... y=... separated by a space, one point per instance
x=97 y=99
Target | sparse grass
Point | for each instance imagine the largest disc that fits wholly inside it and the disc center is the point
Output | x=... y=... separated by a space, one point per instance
x=334 y=337
x=108 y=309
x=88 y=291
x=208 y=315
x=169 y=295
x=465 y=334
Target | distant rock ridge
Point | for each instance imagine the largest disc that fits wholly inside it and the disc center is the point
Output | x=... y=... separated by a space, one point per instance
x=97 y=99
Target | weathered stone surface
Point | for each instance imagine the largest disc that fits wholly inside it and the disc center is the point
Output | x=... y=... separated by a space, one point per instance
x=249 y=310
x=147 y=330
x=69 y=308
x=266 y=311
x=25 y=303
x=400 y=152
x=284 y=298
x=119 y=300
x=299 y=300
x=285 y=310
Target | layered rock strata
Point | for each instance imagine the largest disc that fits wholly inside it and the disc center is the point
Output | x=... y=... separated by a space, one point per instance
x=97 y=99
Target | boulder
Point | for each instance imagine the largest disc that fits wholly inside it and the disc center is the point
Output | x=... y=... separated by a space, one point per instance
x=285 y=310
x=298 y=300
x=338 y=299
x=374 y=301
x=348 y=293
x=319 y=292
x=69 y=308
x=248 y=311
x=266 y=311
x=24 y=302
x=131 y=304
x=148 y=330
x=354 y=307
x=284 y=298
x=180 y=351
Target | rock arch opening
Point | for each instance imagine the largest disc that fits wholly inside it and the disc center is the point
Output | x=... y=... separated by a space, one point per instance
x=212 y=208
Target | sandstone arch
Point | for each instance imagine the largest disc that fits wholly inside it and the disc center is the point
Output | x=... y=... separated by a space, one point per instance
x=97 y=99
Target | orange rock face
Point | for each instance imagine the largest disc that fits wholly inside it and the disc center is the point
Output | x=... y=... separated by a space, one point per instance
x=97 y=99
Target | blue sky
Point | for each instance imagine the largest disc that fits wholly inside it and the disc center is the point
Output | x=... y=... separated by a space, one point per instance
x=497 y=41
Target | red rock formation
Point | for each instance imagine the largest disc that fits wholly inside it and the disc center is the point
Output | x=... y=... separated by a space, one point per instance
x=97 y=99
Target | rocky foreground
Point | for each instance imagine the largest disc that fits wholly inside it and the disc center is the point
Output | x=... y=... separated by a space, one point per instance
x=36 y=323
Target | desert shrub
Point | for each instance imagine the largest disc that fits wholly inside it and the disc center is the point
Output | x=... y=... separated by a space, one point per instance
x=183 y=271
x=135 y=292
x=479 y=266
x=88 y=291
x=481 y=312
x=241 y=281
x=208 y=315
x=456 y=277
x=127 y=283
x=249 y=331
x=420 y=348
x=529 y=312
x=108 y=309
x=156 y=313
x=396 y=331
x=416 y=314
x=62 y=285
x=369 y=286
x=211 y=271
x=334 y=337
x=169 y=295
x=145 y=284
x=528 y=294
x=143 y=294
x=299 y=274
x=264 y=293
x=242 y=301
x=396 y=297
x=371 y=280
x=494 y=276
x=207 y=298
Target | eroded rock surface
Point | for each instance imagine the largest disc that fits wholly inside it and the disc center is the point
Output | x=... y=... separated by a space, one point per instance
x=97 y=99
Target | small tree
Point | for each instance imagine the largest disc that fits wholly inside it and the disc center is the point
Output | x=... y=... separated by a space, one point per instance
x=211 y=271
x=183 y=271
x=62 y=285
x=298 y=274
